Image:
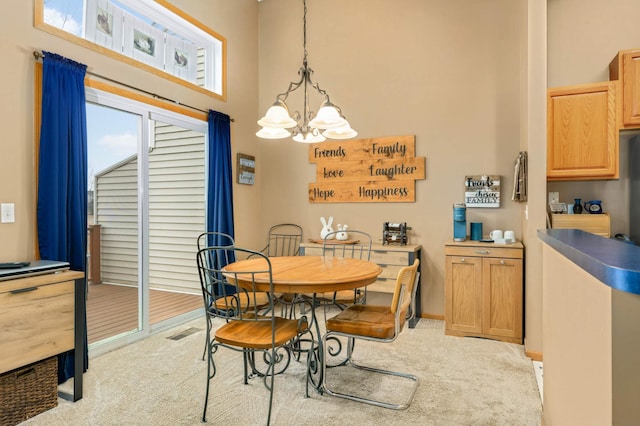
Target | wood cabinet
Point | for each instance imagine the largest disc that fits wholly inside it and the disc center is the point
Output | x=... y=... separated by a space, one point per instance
x=582 y=131
x=390 y=258
x=625 y=67
x=41 y=316
x=483 y=290
x=599 y=224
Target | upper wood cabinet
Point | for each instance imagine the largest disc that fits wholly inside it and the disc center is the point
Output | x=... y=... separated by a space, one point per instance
x=626 y=68
x=582 y=131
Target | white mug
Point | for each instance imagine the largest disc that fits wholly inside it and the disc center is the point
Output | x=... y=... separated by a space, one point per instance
x=510 y=235
x=496 y=234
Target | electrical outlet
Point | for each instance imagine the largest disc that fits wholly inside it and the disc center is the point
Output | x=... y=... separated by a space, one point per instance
x=7 y=213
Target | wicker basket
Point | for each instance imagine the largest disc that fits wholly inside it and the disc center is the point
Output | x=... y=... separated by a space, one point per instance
x=28 y=391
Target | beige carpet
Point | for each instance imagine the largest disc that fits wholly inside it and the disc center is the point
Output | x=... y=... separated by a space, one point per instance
x=159 y=381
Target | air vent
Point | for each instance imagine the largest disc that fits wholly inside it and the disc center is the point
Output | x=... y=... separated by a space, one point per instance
x=185 y=333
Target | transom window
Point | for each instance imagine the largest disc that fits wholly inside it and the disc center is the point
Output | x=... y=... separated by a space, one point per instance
x=151 y=34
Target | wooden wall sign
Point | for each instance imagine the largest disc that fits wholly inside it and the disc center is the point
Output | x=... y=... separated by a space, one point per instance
x=377 y=170
x=246 y=169
x=482 y=191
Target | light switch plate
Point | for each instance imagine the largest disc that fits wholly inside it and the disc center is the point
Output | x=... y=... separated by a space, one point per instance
x=7 y=213
x=554 y=197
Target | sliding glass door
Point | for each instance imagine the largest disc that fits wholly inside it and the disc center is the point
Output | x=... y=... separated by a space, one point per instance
x=146 y=192
x=113 y=302
x=176 y=215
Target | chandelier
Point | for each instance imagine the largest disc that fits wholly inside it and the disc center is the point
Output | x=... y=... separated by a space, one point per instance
x=328 y=123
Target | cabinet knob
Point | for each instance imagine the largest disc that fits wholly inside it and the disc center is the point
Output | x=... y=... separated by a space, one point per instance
x=502 y=262
x=462 y=259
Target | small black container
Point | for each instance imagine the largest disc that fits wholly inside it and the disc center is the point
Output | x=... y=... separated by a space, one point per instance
x=577 y=207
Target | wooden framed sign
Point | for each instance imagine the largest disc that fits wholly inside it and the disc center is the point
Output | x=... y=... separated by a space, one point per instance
x=377 y=170
x=246 y=169
x=482 y=191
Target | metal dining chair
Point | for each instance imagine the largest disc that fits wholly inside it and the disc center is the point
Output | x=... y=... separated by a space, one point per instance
x=374 y=323
x=358 y=248
x=244 y=330
x=213 y=238
x=283 y=240
x=220 y=239
x=206 y=239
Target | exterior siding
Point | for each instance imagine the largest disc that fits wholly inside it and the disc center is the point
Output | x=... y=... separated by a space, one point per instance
x=176 y=207
x=116 y=200
x=176 y=213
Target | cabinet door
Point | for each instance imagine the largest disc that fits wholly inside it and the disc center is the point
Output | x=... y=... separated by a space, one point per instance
x=502 y=297
x=631 y=89
x=37 y=322
x=463 y=294
x=582 y=132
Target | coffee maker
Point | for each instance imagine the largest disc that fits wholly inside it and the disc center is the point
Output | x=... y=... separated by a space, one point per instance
x=459 y=222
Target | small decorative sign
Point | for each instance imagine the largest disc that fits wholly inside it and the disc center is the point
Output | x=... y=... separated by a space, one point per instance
x=246 y=169
x=482 y=191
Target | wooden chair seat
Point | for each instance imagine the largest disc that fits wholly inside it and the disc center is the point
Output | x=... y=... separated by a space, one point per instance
x=365 y=320
x=257 y=334
x=246 y=302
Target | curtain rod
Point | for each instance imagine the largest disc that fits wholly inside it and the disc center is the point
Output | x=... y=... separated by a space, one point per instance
x=39 y=55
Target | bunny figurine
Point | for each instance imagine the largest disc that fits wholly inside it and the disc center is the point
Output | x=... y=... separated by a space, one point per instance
x=342 y=234
x=326 y=227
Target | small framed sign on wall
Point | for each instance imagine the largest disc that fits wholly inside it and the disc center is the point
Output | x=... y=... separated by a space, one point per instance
x=246 y=169
x=482 y=191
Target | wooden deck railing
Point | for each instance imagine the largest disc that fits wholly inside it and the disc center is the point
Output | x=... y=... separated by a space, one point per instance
x=94 y=254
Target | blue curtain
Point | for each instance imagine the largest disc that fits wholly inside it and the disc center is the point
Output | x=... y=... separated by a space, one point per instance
x=220 y=179
x=62 y=173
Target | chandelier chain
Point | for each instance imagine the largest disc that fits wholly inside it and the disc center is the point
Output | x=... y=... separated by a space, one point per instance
x=304 y=32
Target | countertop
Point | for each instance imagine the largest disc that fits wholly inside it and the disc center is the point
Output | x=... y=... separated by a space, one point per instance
x=614 y=262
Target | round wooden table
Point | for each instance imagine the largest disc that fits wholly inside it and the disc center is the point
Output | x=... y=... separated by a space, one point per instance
x=309 y=274
x=306 y=274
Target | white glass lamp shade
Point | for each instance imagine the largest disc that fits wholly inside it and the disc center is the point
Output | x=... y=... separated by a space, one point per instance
x=277 y=116
x=309 y=137
x=344 y=132
x=328 y=117
x=273 y=133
